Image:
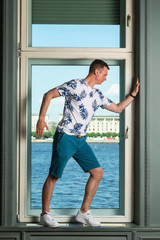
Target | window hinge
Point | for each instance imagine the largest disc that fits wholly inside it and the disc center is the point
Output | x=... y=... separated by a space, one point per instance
x=129 y=20
x=19 y=49
x=127 y=133
x=18 y=217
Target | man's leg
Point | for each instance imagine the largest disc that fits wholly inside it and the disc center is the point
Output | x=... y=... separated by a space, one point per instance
x=47 y=192
x=91 y=188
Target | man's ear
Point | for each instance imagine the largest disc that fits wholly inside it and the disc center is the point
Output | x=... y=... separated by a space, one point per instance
x=96 y=72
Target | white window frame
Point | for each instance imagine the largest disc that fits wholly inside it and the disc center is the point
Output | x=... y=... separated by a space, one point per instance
x=26 y=53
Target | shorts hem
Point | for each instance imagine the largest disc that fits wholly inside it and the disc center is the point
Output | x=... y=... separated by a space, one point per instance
x=55 y=175
x=91 y=168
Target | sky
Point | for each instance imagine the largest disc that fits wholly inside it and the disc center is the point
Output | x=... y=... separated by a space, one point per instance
x=45 y=77
x=60 y=35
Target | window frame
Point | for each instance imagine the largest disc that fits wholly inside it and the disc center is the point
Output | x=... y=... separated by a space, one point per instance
x=27 y=53
x=26 y=23
x=72 y=211
x=23 y=149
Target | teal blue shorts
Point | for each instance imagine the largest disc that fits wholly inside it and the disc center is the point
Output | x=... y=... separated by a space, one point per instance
x=66 y=146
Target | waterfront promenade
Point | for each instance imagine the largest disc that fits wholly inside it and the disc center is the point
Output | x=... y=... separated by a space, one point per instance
x=90 y=140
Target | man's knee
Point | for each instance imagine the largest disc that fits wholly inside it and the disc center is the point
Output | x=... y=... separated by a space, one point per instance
x=97 y=173
x=52 y=178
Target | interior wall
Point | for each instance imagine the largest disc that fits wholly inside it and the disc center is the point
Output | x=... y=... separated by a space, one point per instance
x=147 y=150
x=9 y=114
x=153 y=102
x=1 y=86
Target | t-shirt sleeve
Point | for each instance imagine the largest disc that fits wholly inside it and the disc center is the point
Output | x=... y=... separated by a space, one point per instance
x=104 y=101
x=64 y=89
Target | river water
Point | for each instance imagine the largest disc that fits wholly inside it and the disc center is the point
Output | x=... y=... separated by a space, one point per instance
x=69 y=190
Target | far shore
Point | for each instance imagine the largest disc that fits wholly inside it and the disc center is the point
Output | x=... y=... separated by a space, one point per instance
x=90 y=140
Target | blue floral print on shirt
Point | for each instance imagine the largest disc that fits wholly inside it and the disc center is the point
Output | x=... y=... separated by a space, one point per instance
x=100 y=94
x=67 y=119
x=76 y=128
x=72 y=84
x=83 y=111
x=81 y=103
x=95 y=105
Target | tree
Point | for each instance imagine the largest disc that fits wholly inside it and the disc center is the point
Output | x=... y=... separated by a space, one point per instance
x=92 y=134
x=109 y=134
x=47 y=134
x=114 y=134
x=34 y=134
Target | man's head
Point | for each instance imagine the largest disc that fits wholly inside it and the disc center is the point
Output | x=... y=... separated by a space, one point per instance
x=97 y=64
x=98 y=70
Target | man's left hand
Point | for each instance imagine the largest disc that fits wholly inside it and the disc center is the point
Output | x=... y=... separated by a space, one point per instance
x=136 y=87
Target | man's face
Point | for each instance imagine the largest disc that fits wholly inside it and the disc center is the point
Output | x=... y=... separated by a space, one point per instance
x=101 y=75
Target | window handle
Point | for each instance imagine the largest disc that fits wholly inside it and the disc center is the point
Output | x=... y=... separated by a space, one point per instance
x=129 y=20
x=127 y=133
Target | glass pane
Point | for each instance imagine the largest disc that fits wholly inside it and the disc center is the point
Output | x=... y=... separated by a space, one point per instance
x=96 y=24
x=61 y=35
x=103 y=137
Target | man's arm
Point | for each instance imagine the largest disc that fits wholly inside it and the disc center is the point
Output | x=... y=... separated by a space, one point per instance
x=118 y=108
x=41 y=124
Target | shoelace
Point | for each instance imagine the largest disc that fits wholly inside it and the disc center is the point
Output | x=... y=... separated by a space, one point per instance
x=48 y=213
x=89 y=214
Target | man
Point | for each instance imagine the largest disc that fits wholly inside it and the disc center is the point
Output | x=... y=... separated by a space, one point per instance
x=81 y=102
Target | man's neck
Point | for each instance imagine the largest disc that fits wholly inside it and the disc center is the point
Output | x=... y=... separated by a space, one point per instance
x=90 y=81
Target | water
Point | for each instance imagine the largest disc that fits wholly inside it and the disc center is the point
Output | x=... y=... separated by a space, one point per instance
x=69 y=190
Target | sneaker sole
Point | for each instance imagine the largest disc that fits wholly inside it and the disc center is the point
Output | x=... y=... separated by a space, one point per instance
x=45 y=225
x=51 y=226
x=83 y=221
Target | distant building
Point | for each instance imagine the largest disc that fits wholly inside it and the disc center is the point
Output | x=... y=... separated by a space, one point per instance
x=52 y=125
x=35 y=119
x=102 y=124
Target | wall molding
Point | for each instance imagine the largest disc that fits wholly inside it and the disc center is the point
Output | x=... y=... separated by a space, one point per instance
x=147 y=105
x=9 y=119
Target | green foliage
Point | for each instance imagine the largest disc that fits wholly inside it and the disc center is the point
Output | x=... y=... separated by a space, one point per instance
x=47 y=134
x=50 y=134
x=114 y=134
x=34 y=134
x=91 y=134
x=107 y=134
x=53 y=129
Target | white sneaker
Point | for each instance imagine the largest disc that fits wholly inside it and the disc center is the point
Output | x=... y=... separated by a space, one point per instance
x=48 y=220
x=87 y=218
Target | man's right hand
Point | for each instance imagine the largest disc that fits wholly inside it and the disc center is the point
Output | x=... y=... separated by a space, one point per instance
x=41 y=124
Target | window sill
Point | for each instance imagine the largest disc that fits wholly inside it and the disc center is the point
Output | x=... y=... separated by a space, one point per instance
x=75 y=227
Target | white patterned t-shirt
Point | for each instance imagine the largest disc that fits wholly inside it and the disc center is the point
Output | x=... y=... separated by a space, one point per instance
x=81 y=102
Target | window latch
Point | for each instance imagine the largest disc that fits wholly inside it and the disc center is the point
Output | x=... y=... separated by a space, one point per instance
x=19 y=49
x=129 y=20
